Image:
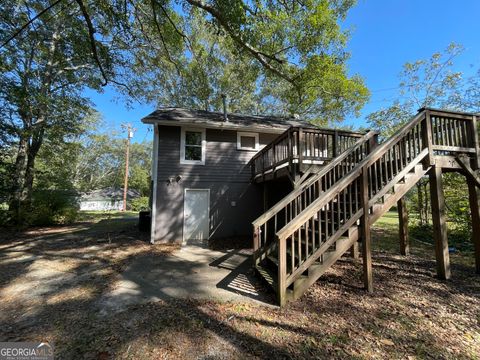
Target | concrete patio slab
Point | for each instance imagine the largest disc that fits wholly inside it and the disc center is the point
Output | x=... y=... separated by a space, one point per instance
x=194 y=271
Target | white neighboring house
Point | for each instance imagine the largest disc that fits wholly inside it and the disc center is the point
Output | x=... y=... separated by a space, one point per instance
x=106 y=199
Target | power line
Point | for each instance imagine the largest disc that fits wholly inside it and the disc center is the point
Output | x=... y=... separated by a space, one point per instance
x=28 y=23
x=146 y=134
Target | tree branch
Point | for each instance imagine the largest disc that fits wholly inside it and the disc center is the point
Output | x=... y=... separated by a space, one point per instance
x=440 y=69
x=185 y=38
x=162 y=39
x=257 y=54
x=73 y=68
x=91 y=34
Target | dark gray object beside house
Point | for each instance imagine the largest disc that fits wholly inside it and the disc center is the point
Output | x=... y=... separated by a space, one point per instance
x=201 y=175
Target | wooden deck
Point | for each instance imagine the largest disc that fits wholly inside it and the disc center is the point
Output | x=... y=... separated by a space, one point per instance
x=302 y=236
x=299 y=149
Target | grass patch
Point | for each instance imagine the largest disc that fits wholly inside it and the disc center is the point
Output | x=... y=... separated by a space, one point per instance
x=390 y=219
x=95 y=216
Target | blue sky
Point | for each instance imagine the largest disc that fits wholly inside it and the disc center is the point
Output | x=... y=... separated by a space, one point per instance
x=385 y=35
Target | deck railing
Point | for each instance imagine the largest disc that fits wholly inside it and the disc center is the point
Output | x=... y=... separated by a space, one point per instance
x=319 y=225
x=286 y=210
x=300 y=145
x=453 y=133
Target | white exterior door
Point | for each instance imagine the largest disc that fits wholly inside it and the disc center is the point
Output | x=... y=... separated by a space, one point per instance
x=195 y=214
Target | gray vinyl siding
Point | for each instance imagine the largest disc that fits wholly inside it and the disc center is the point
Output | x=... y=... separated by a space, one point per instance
x=226 y=173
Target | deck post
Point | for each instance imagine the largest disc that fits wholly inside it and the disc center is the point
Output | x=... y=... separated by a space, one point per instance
x=282 y=271
x=354 y=251
x=365 y=233
x=439 y=222
x=372 y=143
x=475 y=143
x=263 y=167
x=256 y=245
x=427 y=138
x=301 y=148
x=290 y=153
x=475 y=212
x=335 y=144
x=403 y=226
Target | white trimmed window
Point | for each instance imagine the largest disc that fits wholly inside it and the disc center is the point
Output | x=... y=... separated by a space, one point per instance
x=247 y=141
x=192 y=146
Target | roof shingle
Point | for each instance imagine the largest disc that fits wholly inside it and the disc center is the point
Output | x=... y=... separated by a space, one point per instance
x=216 y=119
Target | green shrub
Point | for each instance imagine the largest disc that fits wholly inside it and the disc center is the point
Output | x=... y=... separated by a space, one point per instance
x=458 y=236
x=139 y=204
x=421 y=232
x=52 y=207
x=3 y=217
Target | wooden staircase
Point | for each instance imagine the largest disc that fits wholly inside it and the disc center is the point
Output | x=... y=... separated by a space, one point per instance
x=305 y=233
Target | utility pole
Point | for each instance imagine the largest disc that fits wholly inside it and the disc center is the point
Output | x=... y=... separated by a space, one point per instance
x=125 y=184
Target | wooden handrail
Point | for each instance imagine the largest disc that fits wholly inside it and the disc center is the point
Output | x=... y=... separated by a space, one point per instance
x=380 y=150
x=295 y=193
x=306 y=129
x=361 y=192
x=451 y=113
x=376 y=154
x=319 y=203
x=359 y=173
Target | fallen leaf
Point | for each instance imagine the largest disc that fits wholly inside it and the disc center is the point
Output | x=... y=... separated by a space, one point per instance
x=387 y=342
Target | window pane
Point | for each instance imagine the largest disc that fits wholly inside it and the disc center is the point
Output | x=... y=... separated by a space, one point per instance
x=193 y=138
x=247 y=142
x=193 y=153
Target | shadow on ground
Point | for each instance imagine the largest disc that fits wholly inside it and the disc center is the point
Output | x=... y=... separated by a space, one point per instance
x=56 y=282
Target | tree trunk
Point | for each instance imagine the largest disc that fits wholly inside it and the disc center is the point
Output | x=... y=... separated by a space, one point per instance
x=17 y=198
x=420 y=202
x=37 y=141
x=28 y=187
x=426 y=205
x=21 y=198
x=31 y=139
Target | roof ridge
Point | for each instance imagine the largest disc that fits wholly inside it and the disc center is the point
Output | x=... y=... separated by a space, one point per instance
x=220 y=113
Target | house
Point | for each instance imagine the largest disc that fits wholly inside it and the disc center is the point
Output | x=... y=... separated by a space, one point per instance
x=106 y=199
x=203 y=179
x=305 y=196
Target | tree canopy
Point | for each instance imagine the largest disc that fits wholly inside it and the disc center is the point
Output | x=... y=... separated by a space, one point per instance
x=279 y=57
x=433 y=82
x=188 y=52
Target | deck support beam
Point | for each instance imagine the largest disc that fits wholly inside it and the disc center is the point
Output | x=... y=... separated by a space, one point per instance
x=365 y=233
x=403 y=227
x=439 y=223
x=475 y=213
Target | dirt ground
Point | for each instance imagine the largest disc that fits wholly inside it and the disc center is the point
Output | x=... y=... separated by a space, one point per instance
x=410 y=315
